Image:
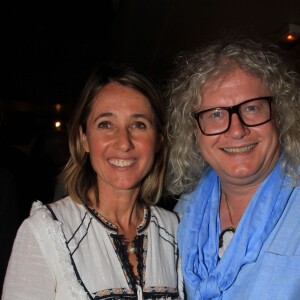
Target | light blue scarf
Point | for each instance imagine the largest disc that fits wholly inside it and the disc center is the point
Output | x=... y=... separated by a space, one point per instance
x=199 y=229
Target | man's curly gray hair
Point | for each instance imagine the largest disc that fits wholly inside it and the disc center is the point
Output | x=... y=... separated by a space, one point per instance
x=194 y=70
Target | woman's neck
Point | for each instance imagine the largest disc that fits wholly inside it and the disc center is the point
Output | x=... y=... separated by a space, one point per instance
x=122 y=210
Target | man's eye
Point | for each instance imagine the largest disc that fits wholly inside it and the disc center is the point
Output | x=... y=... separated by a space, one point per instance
x=252 y=108
x=214 y=114
x=104 y=124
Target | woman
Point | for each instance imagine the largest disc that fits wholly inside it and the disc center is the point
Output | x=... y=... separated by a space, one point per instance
x=106 y=240
x=235 y=135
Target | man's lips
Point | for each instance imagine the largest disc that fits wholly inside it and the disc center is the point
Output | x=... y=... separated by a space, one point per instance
x=239 y=149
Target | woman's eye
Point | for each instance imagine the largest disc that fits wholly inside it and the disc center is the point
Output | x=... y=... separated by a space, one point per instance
x=104 y=124
x=140 y=125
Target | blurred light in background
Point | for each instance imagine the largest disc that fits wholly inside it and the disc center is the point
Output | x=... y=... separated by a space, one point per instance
x=57 y=124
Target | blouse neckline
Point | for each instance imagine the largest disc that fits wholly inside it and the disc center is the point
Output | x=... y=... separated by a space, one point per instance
x=113 y=228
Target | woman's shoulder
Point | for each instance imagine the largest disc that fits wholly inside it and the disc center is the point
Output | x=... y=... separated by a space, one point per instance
x=39 y=222
x=164 y=215
x=64 y=204
x=61 y=210
x=53 y=218
x=163 y=211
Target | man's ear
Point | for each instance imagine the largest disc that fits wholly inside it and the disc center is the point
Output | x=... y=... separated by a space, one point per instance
x=83 y=140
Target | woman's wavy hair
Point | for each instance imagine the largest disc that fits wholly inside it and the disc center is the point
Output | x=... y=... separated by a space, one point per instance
x=78 y=175
x=194 y=70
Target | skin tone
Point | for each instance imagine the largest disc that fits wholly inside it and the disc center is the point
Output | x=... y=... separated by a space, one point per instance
x=243 y=156
x=121 y=139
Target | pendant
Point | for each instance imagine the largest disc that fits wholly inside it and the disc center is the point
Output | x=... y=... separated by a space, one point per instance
x=131 y=248
x=224 y=239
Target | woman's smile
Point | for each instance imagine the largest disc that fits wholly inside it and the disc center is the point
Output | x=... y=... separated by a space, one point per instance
x=122 y=162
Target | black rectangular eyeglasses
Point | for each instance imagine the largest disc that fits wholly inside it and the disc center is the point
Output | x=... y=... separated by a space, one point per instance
x=252 y=112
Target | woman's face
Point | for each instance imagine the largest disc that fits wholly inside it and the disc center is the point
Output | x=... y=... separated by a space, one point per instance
x=121 y=137
x=242 y=155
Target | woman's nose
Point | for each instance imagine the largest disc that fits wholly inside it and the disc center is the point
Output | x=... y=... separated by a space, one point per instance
x=123 y=140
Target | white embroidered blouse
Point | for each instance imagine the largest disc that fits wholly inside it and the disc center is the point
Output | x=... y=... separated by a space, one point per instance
x=63 y=251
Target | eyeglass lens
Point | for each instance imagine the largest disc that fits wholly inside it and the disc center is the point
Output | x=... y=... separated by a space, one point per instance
x=250 y=112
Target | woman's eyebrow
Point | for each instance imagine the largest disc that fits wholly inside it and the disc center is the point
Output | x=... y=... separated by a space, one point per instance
x=102 y=115
x=134 y=115
x=143 y=116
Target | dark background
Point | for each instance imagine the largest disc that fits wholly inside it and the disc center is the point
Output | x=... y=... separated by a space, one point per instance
x=47 y=51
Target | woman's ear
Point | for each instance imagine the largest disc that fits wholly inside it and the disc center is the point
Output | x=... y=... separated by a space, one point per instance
x=160 y=140
x=83 y=140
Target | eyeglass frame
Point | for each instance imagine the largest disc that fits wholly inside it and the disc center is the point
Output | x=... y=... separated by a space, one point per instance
x=234 y=109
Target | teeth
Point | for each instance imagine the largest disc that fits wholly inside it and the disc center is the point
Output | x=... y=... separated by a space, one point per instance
x=122 y=163
x=239 y=150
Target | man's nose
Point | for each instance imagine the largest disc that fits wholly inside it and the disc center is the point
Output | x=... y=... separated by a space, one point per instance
x=237 y=129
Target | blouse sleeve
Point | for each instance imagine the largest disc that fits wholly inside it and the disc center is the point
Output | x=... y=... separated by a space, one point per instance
x=28 y=274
